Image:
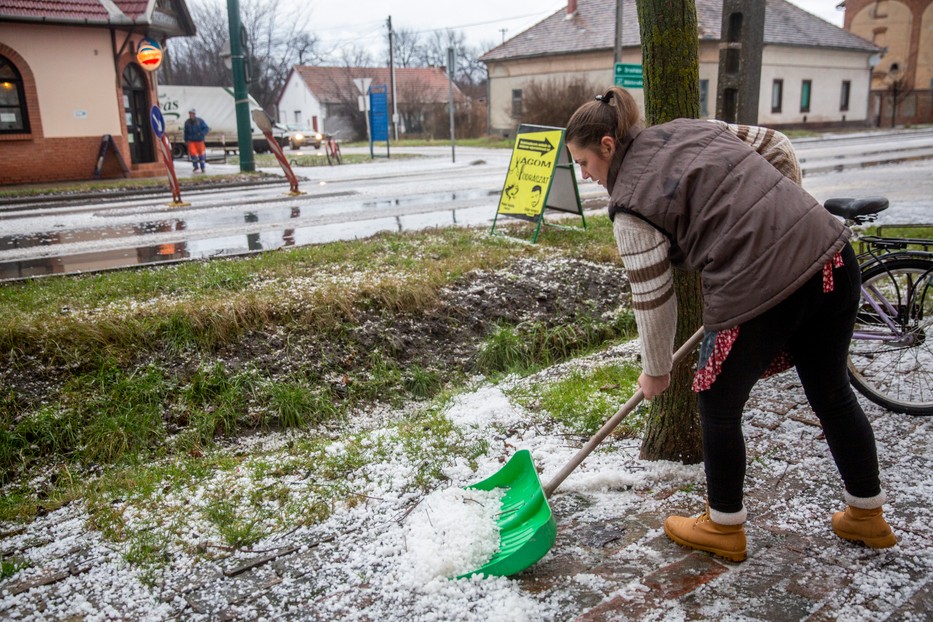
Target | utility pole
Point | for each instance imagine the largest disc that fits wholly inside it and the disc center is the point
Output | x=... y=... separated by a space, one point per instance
x=392 y=78
x=618 y=37
x=741 y=42
x=240 y=93
x=450 y=84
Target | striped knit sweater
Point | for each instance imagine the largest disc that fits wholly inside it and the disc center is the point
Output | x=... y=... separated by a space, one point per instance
x=645 y=254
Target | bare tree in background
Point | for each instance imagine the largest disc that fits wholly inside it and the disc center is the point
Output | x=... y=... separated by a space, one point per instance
x=406 y=46
x=553 y=101
x=277 y=37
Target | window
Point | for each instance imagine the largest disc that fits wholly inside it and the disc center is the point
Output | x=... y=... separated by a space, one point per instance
x=516 y=103
x=844 y=95
x=704 y=96
x=14 y=118
x=777 y=95
x=805 y=88
x=298 y=118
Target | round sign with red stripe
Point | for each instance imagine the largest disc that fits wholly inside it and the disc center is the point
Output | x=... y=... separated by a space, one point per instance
x=149 y=54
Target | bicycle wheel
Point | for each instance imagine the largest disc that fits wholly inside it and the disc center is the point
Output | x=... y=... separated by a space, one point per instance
x=891 y=353
x=329 y=152
x=337 y=155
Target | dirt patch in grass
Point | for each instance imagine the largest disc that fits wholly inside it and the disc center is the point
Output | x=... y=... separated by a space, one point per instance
x=444 y=338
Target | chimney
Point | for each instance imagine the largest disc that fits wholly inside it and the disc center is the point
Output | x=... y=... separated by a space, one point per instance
x=571 y=8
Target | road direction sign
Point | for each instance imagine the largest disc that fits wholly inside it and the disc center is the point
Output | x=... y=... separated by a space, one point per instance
x=629 y=76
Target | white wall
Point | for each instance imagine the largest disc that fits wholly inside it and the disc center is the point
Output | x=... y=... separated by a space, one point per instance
x=81 y=101
x=297 y=96
x=826 y=69
x=505 y=76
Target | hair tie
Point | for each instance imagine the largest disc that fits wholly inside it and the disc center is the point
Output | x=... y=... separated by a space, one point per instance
x=604 y=98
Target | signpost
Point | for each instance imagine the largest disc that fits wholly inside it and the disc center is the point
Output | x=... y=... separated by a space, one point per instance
x=165 y=148
x=261 y=119
x=540 y=176
x=362 y=84
x=629 y=76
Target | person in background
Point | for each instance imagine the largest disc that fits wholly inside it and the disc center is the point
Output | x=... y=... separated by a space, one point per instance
x=780 y=285
x=195 y=132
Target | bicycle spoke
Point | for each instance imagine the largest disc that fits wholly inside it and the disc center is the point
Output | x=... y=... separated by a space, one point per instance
x=891 y=356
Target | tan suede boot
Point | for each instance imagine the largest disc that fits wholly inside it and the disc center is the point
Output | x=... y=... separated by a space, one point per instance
x=701 y=533
x=866 y=526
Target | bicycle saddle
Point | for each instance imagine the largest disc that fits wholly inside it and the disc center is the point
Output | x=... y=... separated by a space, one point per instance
x=851 y=209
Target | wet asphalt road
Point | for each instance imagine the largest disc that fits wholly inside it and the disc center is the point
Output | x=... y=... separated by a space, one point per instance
x=79 y=234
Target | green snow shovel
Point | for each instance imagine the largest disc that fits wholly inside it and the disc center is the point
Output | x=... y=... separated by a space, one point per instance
x=527 y=528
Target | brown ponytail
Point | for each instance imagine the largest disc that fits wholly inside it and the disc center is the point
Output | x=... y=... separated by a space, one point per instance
x=612 y=114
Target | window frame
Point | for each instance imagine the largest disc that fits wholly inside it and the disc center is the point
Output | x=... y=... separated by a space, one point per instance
x=806 y=95
x=777 y=95
x=517 y=99
x=18 y=84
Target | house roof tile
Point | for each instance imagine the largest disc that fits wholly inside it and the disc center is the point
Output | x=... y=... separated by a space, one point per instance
x=334 y=85
x=71 y=10
x=592 y=27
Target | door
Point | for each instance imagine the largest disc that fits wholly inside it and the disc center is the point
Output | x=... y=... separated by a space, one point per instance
x=136 y=112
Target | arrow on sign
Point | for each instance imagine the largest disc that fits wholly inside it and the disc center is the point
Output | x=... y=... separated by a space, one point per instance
x=538 y=146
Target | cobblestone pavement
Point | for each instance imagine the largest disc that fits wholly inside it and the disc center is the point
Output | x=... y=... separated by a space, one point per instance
x=611 y=560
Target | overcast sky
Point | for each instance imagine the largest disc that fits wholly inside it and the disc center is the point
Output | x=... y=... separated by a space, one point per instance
x=338 y=22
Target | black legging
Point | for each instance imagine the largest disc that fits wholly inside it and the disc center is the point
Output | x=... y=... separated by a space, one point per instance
x=815 y=328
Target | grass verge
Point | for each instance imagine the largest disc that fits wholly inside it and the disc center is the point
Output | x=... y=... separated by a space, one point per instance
x=135 y=392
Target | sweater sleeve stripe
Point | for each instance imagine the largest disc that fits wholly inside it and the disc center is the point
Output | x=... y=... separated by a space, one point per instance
x=644 y=252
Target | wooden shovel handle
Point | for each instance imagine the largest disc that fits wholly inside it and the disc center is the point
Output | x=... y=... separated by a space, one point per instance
x=616 y=419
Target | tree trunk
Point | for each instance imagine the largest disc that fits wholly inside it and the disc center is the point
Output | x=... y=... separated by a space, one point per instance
x=669 y=42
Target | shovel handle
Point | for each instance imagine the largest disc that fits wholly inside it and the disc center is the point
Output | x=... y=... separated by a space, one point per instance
x=616 y=419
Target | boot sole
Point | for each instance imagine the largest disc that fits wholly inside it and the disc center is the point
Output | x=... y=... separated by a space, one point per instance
x=732 y=556
x=881 y=542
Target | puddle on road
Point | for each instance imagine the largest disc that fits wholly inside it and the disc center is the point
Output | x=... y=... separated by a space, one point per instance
x=240 y=244
x=210 y=220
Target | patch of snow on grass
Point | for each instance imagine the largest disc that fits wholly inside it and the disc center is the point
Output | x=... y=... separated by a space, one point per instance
x=452 y=532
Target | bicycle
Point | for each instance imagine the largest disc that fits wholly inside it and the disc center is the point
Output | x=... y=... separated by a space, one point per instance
x=332 y=149
x=891 y=353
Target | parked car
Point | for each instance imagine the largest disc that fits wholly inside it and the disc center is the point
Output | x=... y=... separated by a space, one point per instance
x=298 y=137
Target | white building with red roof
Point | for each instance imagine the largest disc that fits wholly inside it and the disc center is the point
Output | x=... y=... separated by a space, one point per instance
x=325 y=99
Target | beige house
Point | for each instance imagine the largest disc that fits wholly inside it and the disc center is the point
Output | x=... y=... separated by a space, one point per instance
x=69 y=76
x=902 y=82
x=813 y=73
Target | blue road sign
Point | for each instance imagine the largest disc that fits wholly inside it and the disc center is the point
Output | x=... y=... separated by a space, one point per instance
x=157 y=121
x=379 y=112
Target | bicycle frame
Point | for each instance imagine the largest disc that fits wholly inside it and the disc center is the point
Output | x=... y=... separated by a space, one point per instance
x=892 y=367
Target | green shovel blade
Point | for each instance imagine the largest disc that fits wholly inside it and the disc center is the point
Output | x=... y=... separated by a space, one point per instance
x=527 y=528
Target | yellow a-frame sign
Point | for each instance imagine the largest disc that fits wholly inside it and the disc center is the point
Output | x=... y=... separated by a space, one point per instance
x=540 y=177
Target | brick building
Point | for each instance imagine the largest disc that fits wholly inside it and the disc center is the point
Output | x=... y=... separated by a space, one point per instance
x=69 y=75
x=902 y=80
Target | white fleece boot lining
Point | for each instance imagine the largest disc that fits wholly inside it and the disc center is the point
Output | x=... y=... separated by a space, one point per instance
x=865 y=503
x=728 y=518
